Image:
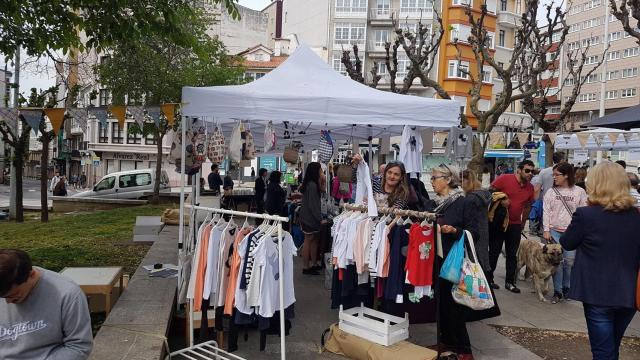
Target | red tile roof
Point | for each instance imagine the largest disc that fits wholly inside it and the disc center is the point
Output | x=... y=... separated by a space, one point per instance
x=274 y=63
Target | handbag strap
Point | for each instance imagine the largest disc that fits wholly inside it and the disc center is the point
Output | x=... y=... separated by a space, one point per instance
x=471 y=246
x=566 y=206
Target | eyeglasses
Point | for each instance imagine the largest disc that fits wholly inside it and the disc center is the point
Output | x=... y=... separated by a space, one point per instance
x=433 y=178
x=527 y=171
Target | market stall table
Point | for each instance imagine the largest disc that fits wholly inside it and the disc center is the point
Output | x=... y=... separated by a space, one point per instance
x=96 y=280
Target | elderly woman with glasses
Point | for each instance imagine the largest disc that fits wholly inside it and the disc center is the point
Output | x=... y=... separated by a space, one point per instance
x=455 y=217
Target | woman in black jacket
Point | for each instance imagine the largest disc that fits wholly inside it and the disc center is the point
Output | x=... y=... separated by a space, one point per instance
x=276 y=195
x=310 y=216
x=605 y=237
x=456 y=217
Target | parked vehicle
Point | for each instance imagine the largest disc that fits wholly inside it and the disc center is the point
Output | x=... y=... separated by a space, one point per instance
x=132 y=184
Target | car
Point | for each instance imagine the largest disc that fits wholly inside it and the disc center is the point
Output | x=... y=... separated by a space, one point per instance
x=132 y=184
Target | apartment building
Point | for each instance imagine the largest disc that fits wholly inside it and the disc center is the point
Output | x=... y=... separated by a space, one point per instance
x=615 y=84
x=336 y=25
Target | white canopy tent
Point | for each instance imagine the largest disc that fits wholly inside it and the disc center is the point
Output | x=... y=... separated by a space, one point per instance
x=309 y=95
x=598 y=139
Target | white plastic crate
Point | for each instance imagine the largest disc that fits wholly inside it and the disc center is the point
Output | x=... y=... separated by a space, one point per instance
x=375 y=326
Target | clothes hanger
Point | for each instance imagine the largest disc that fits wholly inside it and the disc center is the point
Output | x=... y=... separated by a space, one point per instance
x=245 y=224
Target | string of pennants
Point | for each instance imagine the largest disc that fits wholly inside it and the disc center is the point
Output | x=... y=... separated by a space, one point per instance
x=56 y=116
x=498 y=138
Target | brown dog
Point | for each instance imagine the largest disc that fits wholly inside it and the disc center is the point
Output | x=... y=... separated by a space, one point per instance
x=541 y=262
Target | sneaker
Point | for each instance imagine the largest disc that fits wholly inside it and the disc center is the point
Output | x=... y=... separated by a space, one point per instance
x=557 y=297
x=511 y=287
x=565 y=293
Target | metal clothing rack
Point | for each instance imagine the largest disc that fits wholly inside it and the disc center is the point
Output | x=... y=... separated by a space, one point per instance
x=200 y=348
x=424 y=215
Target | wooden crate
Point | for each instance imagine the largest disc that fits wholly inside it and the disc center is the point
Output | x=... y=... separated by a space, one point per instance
x=375 y=326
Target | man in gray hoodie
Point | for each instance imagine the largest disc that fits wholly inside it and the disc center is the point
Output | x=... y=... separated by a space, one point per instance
x=43 y=315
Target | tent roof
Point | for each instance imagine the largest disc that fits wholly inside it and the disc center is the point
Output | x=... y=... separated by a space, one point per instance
x=625 y=119
x=306 y=91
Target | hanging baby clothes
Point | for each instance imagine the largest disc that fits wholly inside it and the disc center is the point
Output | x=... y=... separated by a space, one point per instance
x=216 y=150
x=365 y=189
x=235 y=144
x=394 y=289
x=411 y=150
x=269 y=137
x=420 y=258
x=460 y=144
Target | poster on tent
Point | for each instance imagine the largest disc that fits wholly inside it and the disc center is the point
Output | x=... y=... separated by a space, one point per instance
x=634 y=154
x=580 y=156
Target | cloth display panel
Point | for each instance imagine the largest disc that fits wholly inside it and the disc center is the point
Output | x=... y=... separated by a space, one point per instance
x=217 y=149
x=460 y=143
x=269 y=137
x=235 y=144
x=427 y=140
x=473 y=289
x=249 y=148
x=411 y=150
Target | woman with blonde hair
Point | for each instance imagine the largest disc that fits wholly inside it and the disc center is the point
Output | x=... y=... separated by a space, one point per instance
x=605 y=237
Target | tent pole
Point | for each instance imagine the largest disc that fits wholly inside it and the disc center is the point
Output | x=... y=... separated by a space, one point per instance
x=181 y=250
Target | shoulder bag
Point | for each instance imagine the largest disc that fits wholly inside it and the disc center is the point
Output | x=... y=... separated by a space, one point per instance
x=566 y=206
x=472 y=290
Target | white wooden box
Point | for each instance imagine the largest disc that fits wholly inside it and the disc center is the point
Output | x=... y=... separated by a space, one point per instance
x=375 y=326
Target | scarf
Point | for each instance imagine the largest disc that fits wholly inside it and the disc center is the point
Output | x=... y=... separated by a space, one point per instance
x=443 y=202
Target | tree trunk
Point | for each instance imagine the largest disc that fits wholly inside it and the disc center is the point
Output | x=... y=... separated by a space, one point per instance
x=18 y=163
x=44 y=161
x=477 y=161
x=155 y=199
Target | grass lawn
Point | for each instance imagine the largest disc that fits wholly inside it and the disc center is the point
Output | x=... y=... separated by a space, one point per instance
x=102 y=238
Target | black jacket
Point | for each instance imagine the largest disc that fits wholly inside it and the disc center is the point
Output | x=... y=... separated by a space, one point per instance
x=607 y=256
x=276 y=197
x=459 y=215
x=260 y=187
x=478 y=203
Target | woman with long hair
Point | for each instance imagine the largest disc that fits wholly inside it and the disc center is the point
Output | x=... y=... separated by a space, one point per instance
x=310 y=215
x=605 y=237
x=392 y=188
x=558 y=206
x=455 y=217
x=479 y=201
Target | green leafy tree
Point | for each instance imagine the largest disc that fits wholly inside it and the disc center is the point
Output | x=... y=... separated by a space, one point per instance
x=154 y=70
x=42 y=26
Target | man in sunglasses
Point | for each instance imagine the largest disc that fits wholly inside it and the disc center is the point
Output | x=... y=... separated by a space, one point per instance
x=43 y=315
x=520 y=192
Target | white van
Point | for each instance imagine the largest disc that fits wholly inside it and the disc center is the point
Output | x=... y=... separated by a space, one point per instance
x=131 y=184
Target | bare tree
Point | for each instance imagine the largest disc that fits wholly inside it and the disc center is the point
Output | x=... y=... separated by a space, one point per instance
x=627 y=12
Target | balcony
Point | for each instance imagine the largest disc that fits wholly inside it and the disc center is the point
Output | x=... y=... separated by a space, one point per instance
x=376 y=50
x=76 y=130
x=415 y=13
x=349 y=12
x=509 y=19
x=347 y=44
x=382 y=17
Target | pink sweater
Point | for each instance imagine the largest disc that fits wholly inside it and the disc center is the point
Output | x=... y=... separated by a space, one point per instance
x=554 y=214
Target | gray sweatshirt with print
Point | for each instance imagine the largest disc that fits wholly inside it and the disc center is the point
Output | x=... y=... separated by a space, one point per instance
x=53 y=322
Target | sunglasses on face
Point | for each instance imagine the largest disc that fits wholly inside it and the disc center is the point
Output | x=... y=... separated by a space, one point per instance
x=527 y=171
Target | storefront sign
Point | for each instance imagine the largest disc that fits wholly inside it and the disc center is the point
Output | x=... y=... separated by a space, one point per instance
x=580 y=155
x=129 y=156
x=96 y=163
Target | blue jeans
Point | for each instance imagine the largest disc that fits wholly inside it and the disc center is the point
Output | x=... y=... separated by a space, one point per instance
x=562 y=277
x=606 y=326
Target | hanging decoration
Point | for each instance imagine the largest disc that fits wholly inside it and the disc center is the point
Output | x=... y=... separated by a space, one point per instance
x=269 y=137
x=154 y=113
x=496 y=139
x=79 y=116
x=120 y=113
x=627 y=137
x=552 y=137
x=522 y=138
x=56 y=117
x=169 y=112
x=32 y=117
x=583 y=138
x=613 y=137
x=599 y=139
x=137 y=112
x=101 y=115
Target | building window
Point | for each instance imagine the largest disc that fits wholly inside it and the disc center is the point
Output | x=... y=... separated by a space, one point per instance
x=569 y=81
x=382 y=68
x=104 y=97
x=593 y=78
x=116 y=133
x=416 y=8
x=339 y=66
x=462 y=2
x=614 y=36
x=555 y=37
x=630 y=72
x=593 y=59
x=133 y=138
x=382 y=37
x=613 y=75
x=626 y=93
x=150 y=139
x=587 y=97
x=460 y=32
x=458 y=69
x=349 y=34
x=351 y=6
x=489 y=40
x=103 y=133
x=574 y=28
x=501 y=38
x=487 y=71
x=503 y=5
x=612 y=94
x=634 y=51
x=614 y=55
x=554 y=110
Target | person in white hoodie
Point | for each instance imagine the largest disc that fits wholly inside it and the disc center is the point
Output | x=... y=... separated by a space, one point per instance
x=559 y=204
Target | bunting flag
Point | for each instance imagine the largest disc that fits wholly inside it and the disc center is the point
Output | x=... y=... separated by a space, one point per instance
x=583 y=138
x=137 y=112
x=599 y=138
x=154 y=113
x=627 y=136
x=169 y=112
x=79 y=116
x=32 y=117
x=613 y=137
x=496 y=138
x=101 y=115
x=522 y=138
x=552 y=137
x=440 y=138
x=56 y=117
x=119 y=112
